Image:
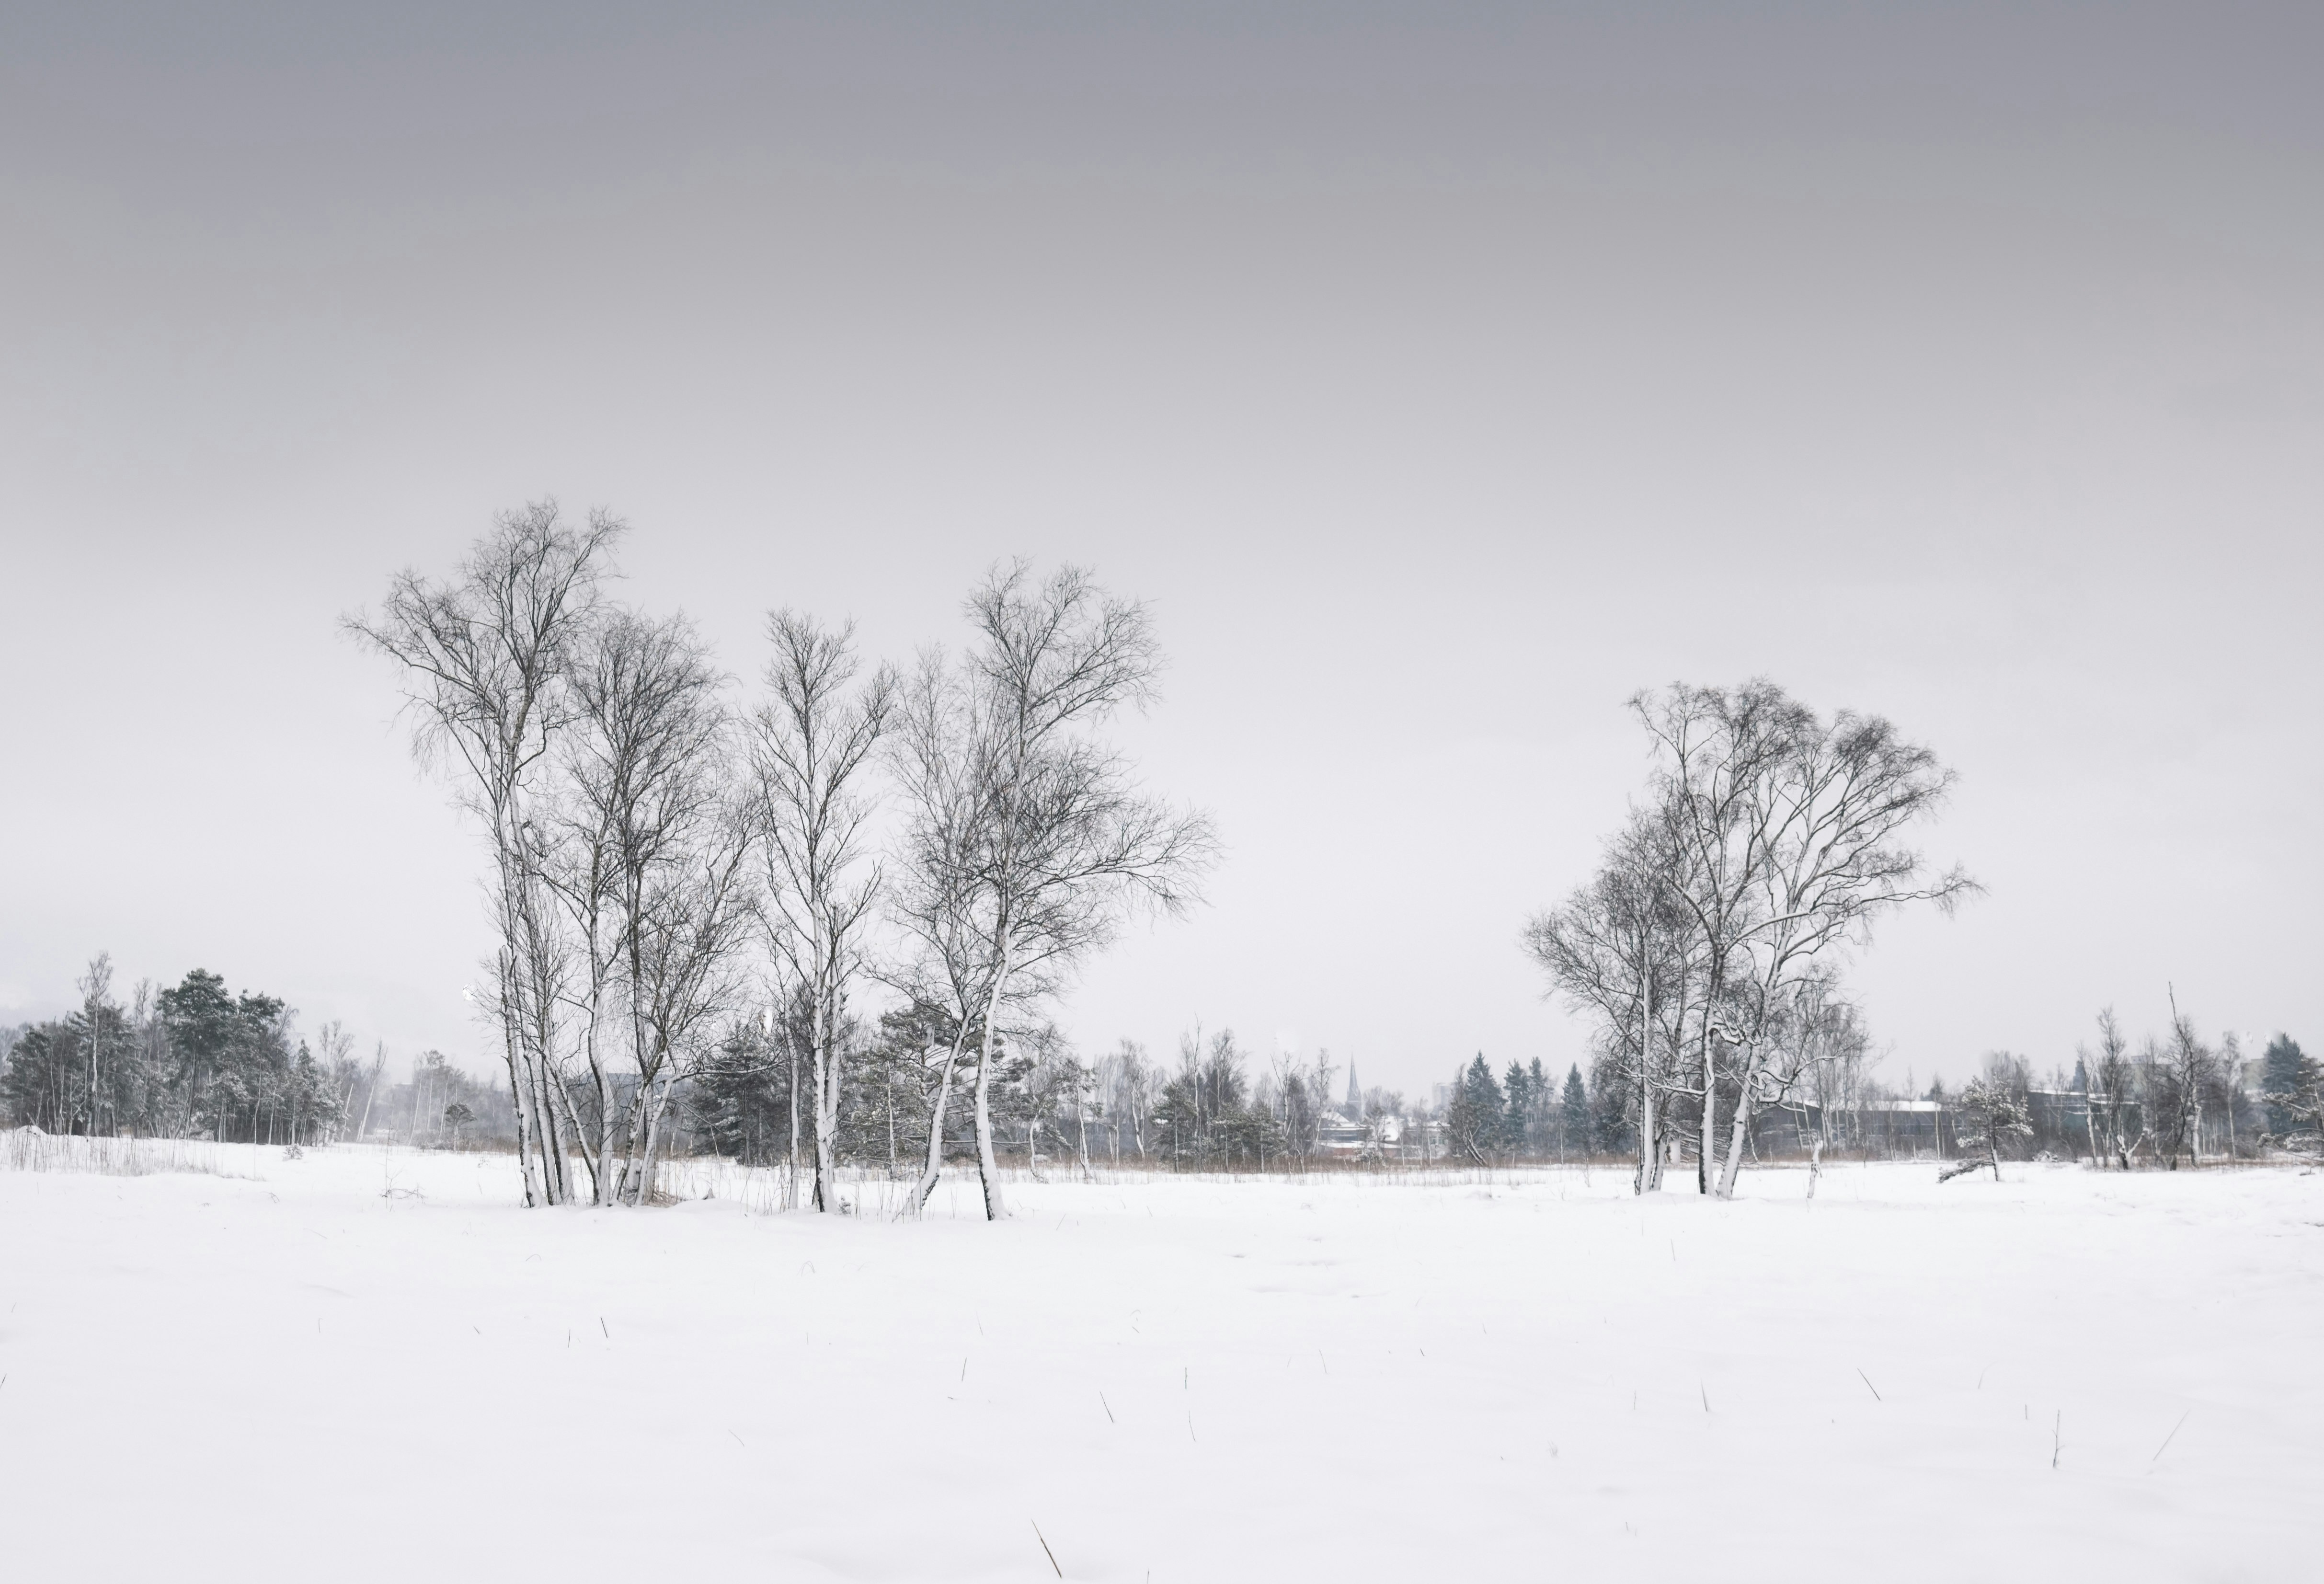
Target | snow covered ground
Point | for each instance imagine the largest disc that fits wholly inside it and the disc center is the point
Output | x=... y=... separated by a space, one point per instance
x=369 y=1365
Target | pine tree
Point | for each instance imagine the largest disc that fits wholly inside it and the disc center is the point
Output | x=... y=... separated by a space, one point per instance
x=1989 y=1111
x=1574 y=1114
x=1613 y=1108
x=1472 y=1121
x=2280 y=1073
x=1516 y=1110
x=2292 y=1083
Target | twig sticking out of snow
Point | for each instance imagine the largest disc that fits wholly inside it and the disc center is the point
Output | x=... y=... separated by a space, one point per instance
x=1868 y=1385
x=2168 y=1439
x=1046 y=1552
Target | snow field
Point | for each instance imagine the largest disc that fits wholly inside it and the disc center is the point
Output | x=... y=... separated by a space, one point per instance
x=370 y=1365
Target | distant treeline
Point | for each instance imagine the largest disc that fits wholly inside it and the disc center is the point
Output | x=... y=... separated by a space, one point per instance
x=195 y=1061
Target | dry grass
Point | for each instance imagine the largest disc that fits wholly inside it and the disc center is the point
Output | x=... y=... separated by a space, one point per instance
x=27 y=1150
x=871 y=1192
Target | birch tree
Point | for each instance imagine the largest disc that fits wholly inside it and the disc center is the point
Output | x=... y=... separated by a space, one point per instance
x=1793 y=831
x=811 y=745
x=485 y=657
x=1621 y=948
x=641 y=850
x=2178 y=1075
x=1721 y=749
x=1030 y=842
x=683 y=974
x=2112 y=1098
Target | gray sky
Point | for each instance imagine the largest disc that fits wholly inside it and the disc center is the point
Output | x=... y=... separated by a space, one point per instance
x=1442 y=374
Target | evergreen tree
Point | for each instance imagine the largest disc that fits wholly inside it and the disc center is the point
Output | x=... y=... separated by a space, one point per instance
x=739 y=1100
x=2292 y=1085
x=2284 y=1071
x=1473 y=1119
x=1613 y=1109
x=1574 y=1114
x=1516 y=1113
x=1990 y=1110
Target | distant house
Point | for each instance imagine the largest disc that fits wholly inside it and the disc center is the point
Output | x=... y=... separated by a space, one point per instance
x=1387 y=1137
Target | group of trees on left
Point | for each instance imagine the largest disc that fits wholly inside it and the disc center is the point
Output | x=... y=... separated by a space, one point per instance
x=193 y=1060
x=668 y=866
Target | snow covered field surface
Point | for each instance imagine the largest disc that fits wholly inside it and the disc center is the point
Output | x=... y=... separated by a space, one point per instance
x=370 y=1365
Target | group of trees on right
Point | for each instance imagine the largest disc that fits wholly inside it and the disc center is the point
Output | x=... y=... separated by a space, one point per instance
x=2181 y=1097
x=1708 y=952
x=1706 y=948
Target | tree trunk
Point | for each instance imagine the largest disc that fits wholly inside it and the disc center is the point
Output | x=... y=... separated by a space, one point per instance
x=1704 y=1148
x=1650 y=1163
x=790 y=1172
x=642 y=1181
x=520 y=1085
x=826 y=1089
x=1740 y=1130
x=935 y=1167
x=988 y=1169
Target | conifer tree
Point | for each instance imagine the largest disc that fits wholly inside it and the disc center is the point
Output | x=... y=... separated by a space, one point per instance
x=2291 y=1085
x=2283 y=1071
x=1472 y=1121
x=1574 y=1114
x=1517 y=1112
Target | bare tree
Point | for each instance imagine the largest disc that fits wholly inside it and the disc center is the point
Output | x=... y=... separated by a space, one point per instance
x=1821 y=1046
x=1791 y=827
x=940 y=901
x=1029 y=841
x=95 y=988
x=644 y=850
x=810 y=744
x=2113 y=1099
x=485 y=657
x=1622 y=947
x=684 y=974
x=2181 y=1072
x=1134 y=1093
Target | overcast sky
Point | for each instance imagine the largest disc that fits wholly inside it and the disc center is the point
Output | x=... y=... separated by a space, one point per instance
x=1441 y=374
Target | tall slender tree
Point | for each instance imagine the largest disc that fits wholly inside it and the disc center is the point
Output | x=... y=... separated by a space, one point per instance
x=1029 y=841
x=487 y=662
x=811 y=745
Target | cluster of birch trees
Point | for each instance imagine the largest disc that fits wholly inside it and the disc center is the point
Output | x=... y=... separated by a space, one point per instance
x=670 y=867
x=1706 y=948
